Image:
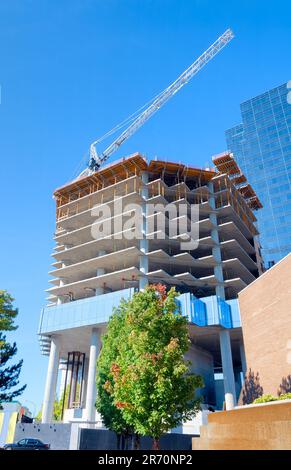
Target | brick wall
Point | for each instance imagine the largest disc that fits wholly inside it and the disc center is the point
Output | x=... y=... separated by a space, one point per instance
x=265 y=307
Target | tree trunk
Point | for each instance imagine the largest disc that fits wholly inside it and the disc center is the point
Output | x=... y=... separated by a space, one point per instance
x=156 y=444
x=136 y=442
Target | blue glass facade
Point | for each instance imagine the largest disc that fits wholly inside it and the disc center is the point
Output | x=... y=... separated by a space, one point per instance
x=84 y=312
x=261 y=145
x=208 y=311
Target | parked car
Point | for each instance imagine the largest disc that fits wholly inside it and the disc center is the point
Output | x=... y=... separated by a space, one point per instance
x=27 y=444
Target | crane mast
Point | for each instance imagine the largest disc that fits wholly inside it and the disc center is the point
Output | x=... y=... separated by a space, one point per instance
x=97 y=160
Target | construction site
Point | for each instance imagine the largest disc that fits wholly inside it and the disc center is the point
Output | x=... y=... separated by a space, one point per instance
x=93 y=270
x=90 y=275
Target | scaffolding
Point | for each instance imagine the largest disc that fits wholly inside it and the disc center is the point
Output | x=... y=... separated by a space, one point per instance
x=91 y=189
x=225 y=163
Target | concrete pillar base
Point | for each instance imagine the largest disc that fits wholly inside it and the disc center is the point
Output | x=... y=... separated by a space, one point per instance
x=51 y=381
x=229 y=401
x=91 y=382
x=227 y=367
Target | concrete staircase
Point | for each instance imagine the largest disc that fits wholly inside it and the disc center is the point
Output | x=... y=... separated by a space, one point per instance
x=255 y=427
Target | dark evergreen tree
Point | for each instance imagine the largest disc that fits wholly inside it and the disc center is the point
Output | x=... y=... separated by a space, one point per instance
x=9 y=374
x=252 y=388
x=285 y=385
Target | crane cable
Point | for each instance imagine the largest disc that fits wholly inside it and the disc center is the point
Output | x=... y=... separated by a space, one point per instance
x=122 y=124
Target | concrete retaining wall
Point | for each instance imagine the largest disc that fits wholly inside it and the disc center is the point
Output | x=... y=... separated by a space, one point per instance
x=57 y=435
x=255 y=427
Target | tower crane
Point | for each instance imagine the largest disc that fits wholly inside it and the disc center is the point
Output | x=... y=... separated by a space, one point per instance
x=140 y=117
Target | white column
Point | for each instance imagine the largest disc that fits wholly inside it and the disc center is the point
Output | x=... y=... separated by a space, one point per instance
x=91 y=381
x=100 y=272
x=59 y=301
x=224 y=336
x=84 y=385
x=51 y=381
x=243 y=359
x=227 y=367
x=216 y=252
x=63 y=369
x=143 y=246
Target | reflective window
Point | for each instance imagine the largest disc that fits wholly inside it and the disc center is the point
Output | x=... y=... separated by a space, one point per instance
x=261 y=145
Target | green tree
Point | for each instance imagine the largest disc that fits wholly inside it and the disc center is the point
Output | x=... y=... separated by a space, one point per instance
x=151 y=382
x=56 y=412
x=58 y=406
x=111 y=415
x=9 y=374
x=7 y=312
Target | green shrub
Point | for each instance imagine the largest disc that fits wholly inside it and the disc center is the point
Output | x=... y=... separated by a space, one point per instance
x=285 y=396
x=268 y=398
x=265 y=399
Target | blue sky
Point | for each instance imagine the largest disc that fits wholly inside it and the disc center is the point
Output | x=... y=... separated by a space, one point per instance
x=71 y=69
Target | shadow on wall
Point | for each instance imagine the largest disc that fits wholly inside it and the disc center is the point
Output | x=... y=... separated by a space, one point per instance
x=252 y=388
x=285 y=386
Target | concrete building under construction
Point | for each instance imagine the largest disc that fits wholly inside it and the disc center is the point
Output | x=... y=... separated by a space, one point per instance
x=91 y=273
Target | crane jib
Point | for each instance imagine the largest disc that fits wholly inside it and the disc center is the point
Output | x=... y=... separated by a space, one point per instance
x=138 y=120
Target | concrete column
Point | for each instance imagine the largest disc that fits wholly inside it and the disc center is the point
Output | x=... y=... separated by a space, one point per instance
x=84 y=385
x=51 y=381
x=100 y=272
x=63 y=369
x=59 y=301
x=66 y=407
x=224 y=336
x=243 y=359
x=227 y=368
x=91 y=381
x=258 y=248
x=144 y=243
x=216 y=252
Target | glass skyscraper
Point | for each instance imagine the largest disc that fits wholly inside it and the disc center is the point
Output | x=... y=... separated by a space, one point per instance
x=261 y=145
